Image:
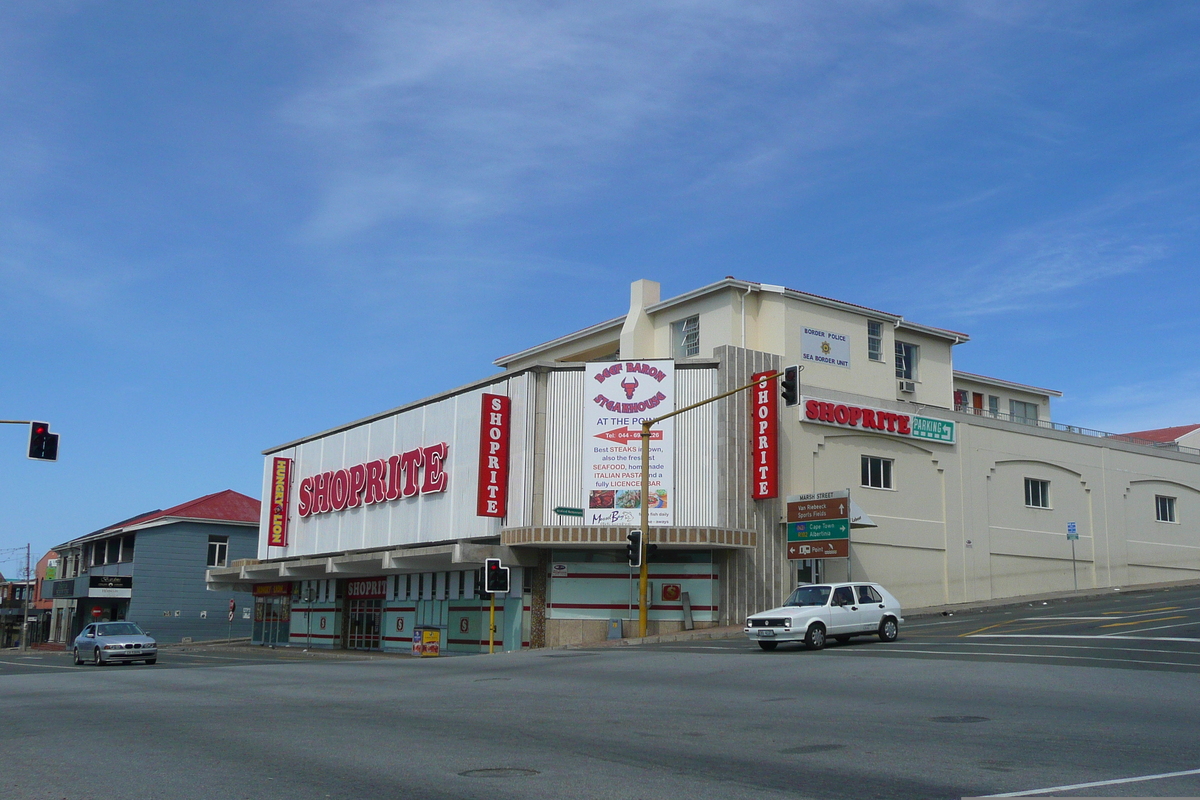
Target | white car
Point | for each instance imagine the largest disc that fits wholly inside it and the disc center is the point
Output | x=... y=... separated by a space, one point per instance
x=815 y=612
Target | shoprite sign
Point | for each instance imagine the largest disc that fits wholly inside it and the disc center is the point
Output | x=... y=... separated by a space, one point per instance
x=878 y=420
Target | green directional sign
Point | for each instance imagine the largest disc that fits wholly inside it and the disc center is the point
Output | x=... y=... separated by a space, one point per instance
x=935 y=430
x=563 y=511
x=821 y=529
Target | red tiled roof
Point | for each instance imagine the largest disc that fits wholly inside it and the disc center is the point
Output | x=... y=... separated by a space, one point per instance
x=227 y=505
x=1164 y=434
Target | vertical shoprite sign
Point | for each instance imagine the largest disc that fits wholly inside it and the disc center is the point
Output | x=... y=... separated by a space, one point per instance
x=495 y=416
x=618 y=397
x=764 y=449
x=281 y=483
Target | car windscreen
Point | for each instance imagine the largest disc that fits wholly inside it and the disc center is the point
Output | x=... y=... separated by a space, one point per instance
x=118 y=629
x=808 y=596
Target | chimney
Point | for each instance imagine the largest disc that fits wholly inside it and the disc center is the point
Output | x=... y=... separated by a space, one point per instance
x=637 y=334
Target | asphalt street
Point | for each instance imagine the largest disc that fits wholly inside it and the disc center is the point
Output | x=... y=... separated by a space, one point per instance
x=1098 y=696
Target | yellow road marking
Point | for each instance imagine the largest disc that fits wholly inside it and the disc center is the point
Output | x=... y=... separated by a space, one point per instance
x=988 y=628
x=1145 y=611
x=1141 y=621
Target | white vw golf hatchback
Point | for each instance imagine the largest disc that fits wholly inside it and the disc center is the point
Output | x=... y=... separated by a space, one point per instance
x=815 y=612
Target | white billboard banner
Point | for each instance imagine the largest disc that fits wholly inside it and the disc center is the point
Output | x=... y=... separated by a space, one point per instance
x=825 y=347
x=618 y=396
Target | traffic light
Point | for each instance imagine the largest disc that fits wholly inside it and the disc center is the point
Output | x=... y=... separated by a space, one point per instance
x=651 y=549
x=633 y=550
x=43 y=445
x=495 y=577
x=789 y=386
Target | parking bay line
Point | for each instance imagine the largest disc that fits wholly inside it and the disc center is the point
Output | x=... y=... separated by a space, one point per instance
x=1107 y=637
x=1113 y=782
x=1020 y=655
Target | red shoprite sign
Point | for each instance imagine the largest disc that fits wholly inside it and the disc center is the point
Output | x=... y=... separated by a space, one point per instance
x=857 y=417
x=493 y=456
x=417 y=471
x=764 y=416
x=281 y=484
x=366 y=589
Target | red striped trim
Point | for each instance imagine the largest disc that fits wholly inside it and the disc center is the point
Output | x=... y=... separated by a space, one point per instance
x=654 y=576
x=316 y=636
x=413 y=608
x=297 y=610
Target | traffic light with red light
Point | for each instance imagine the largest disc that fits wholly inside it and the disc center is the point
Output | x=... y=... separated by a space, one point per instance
x=43 y=445
x=495 y=577
x=789 y=386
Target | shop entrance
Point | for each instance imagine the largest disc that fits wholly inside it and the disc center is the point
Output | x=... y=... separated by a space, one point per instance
x=364 y=621
x=272 y=620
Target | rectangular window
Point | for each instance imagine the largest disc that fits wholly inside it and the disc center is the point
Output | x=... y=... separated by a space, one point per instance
x=1037 y=493
x=877 y=472
x=874 y=340
x=127 y=548
x=686 y=336
x=960 y=399
x=906 y=361
x=97 y=553
x=1164 y=508
x=1023 y=412
x=218 y=551
x=114 y=551
x=993 y=405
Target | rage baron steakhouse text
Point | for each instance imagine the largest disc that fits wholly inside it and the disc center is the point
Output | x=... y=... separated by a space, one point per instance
x=417 y=471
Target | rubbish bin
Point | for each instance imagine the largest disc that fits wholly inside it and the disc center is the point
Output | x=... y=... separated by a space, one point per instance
x=427 y=641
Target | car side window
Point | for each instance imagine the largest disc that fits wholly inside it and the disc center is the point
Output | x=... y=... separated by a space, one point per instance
x=843 y=596
x=867 y=594
x=87 y=631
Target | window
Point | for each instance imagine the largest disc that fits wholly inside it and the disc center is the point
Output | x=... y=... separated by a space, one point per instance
x=686 y=336
x=114 y=550
x=1164 y=508
x=1023 y=412
x=993 y=405
x=97 y=553
x=960 y=399
x=218 y=550
x=874 y=340
x=906 y=361
x=877 y=472
x=127 y=548
x=1037 y=493
x=867 y=594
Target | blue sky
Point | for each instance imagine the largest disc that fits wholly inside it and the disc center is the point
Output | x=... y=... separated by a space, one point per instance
x=227 y=225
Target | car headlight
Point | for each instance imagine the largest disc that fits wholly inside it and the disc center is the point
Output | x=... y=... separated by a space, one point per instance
x=787 y=623
x=149 y=646
x=114 y=647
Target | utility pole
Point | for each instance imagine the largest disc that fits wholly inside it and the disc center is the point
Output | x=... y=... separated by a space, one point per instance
x=25 y=610
x=644 y=575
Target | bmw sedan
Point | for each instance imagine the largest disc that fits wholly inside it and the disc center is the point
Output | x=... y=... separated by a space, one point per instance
x=815 y=612
x=114 y=642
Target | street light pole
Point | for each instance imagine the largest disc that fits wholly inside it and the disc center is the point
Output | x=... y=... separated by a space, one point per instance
x=643 y=577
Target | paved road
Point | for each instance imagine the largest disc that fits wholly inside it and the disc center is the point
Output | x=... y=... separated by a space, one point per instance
x=950 y=710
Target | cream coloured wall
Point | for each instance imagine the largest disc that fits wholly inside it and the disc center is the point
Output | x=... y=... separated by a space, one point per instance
x=1042 y=401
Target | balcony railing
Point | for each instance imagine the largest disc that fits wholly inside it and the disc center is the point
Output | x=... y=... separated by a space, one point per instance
x=1058 y=426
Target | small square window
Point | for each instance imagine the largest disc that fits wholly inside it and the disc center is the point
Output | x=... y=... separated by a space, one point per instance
x=1037 y=493
x=874 y=340
x=1164 y=508
x=686 y=337
x=218 y=551
x=877 y=472
x=906 y=361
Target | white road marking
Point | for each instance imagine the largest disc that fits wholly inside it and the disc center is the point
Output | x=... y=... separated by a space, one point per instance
x=1164 y=627
x=1114 y=782
x=1105 y=637
x=1022 y=655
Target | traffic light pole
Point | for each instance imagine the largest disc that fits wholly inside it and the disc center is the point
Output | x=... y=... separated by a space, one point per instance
x=643 y=577
x=492 y=626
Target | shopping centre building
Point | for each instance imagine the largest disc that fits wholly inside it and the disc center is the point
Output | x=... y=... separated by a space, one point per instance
x=961 y=486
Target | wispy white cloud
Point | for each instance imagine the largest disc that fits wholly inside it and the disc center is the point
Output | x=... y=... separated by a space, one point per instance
x=1141 y=405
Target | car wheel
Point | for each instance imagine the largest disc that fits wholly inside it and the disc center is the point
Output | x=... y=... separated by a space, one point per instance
x=768 y=645
x=842 y=639
x=888 y=630
x=75 y=655
x=815 y=638
x=151 y=660
x=96 y=658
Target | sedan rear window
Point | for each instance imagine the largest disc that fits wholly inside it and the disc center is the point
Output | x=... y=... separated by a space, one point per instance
x=118 y=629
x=808 y=596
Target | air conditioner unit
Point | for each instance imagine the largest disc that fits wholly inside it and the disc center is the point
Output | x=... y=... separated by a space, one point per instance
x=908 y=386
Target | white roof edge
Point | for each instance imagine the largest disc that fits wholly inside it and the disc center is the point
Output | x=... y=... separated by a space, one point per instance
x=929 y=330
x=1024 y=387
x=615 y=322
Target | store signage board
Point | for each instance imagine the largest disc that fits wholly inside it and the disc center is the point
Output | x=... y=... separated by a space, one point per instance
x=821 y=529
x=877 y=420
x=417 y=471
x=110 y=586
x=832 y=548
x=366 y=588
x=494 y=428
x=281 y=486
x=764 y=443
x=618 y=396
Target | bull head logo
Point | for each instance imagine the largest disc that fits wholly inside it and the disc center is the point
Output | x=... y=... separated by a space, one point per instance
x=629 y=385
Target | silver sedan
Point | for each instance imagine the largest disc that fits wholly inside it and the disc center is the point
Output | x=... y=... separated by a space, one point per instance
x=114 y=642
